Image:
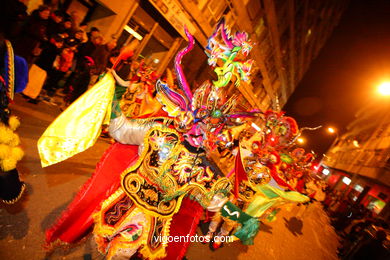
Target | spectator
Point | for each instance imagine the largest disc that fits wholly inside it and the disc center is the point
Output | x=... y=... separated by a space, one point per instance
x=373 y=249
x=80 y=79
x=101 y=56
x=54 y=23
x=83 y=28
x=78 y=36
x=12 y=16
x=60 y=67
x=88 y=48
x=43 y=67
x=66 y=28
x=93 y=33
x=33 y=34
x=84 y=50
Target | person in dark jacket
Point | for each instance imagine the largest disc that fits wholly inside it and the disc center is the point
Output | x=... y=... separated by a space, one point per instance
x=54 y=23
x=33 y=34
x=45 y=61
x=80 y=80
x=13 y=13
x=373 y=249
x=66 y=28
x=101 y=56
x=49 y=53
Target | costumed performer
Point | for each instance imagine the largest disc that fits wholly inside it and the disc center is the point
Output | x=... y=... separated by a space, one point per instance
x=13 y=79
x=262 y=173
x=172 y=170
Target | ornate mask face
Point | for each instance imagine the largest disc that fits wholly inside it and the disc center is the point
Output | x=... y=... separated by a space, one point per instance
x=195 y=136
x=232 y=51
x=224 y=74
x=259 y=174
x=202 y=115
x=184 y=121
x=280 y=129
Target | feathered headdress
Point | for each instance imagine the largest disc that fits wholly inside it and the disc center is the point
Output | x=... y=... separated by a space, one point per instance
x=208 y=103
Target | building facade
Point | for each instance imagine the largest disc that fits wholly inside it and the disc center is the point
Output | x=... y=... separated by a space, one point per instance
x=288 y=35
x=359 y=160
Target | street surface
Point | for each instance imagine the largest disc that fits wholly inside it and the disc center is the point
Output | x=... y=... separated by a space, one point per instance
x=49 y=191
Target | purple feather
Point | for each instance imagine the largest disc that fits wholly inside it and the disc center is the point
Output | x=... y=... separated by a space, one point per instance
x=173 y=96
x=183 y=84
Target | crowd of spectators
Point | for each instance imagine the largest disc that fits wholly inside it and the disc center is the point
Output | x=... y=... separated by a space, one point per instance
x=363 y=234
x=63 y=55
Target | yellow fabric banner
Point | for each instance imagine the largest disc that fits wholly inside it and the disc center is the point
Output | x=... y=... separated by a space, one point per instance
x=79 y=126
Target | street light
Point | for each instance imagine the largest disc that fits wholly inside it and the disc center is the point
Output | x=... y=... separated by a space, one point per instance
x=331 y=130
x=301 y=140
x=384 y=89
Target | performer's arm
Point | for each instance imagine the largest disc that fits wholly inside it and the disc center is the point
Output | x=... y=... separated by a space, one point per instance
x=128 y=131
x=123 y=130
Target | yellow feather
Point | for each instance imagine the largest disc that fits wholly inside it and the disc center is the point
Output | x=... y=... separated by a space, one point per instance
x=17 y=153
x=4 y=151
x=6 y=135
x=13 y=123
x=8 y=164
x=15 y=141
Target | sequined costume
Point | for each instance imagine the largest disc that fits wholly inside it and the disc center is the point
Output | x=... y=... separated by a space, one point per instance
x=265 y=167
x=168 y=174
x=138 y=100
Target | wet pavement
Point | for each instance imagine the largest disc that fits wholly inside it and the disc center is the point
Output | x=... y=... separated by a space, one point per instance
x=297 y=233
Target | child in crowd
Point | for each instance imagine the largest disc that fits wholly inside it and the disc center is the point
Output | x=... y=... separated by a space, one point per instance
x=61 y=66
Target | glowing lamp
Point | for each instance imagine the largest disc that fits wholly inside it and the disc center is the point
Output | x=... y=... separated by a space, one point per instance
x=331 y=130
x=384 y=89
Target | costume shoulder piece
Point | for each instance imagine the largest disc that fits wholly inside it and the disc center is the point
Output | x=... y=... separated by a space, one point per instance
x=166 y=172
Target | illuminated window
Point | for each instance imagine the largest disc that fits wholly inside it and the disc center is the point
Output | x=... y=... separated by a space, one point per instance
x=346 y=180
x=358 y=188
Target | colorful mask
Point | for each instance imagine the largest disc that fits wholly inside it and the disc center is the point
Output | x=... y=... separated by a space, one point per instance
x=201 y=115
x=232 y=51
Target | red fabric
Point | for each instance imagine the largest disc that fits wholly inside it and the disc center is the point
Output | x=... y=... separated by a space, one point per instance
x=240 y=173
x=183 y=223
x=77 y=218
x=65 y=60
x=279 y=180
x=300 y=185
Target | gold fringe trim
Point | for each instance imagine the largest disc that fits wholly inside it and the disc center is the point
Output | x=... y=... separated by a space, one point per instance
x=11 y=70
x=18 y=197
x=50 y=248
x=160 y=252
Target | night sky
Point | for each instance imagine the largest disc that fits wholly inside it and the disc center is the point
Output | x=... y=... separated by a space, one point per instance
x=345 y=74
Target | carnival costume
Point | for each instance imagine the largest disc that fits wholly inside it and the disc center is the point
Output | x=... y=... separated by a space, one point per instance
x=266 y=167
x=13 y=79
x=138 y=100
x=164 y=186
